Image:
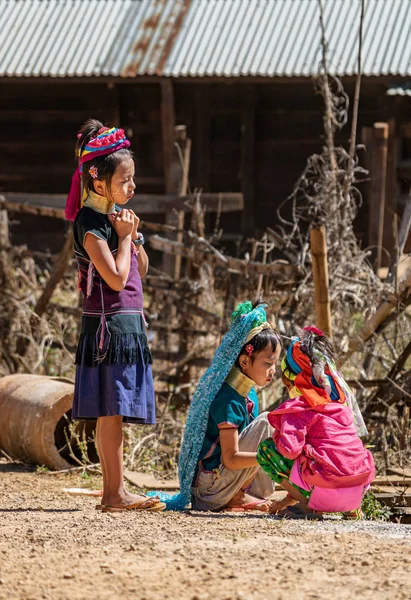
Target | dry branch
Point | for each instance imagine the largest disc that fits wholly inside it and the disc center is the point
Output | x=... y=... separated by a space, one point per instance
x=392 y=304
x=56 y=274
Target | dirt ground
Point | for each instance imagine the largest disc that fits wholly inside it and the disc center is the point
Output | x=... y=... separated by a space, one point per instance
x=58 y=547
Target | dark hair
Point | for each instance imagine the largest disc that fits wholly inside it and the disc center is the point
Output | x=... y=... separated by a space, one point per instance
x=311 y=341
x=105 y=165
x=260 y=341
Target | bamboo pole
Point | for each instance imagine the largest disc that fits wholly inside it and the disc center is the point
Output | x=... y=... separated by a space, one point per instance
x=321 y=282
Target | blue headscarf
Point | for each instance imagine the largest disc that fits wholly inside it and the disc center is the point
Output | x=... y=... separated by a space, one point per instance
x=243 y=320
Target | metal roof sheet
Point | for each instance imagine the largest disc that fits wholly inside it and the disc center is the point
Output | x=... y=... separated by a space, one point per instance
x=400 y=90
x=199 y=38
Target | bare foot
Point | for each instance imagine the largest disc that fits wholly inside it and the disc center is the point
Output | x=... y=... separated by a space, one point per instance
x=243 y=500
x=279 y=505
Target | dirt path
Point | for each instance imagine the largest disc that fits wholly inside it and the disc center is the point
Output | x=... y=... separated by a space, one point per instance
x=57 y=547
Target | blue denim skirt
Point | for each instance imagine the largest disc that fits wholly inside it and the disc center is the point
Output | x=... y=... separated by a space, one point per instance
x=107 y=390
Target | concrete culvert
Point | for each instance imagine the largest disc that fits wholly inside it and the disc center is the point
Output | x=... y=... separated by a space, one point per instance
x=36 y=425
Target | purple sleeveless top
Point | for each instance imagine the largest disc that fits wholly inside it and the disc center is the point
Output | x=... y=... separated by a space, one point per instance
x=113 y=323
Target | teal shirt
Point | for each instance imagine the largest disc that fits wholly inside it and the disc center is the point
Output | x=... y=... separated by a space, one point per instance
x=227 y=407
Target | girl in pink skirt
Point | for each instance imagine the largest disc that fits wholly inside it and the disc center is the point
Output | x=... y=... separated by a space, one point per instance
x=315 y=452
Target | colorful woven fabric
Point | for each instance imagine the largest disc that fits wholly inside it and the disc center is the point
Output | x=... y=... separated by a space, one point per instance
x=107 y=141
x=276 y=465
x=207 y=389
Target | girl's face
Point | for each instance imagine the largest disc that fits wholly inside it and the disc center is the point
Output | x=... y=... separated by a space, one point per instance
x=122 y=183
x=262 y=368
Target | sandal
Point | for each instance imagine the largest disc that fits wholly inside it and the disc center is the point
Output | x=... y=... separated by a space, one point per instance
x=354 y=515
x=299 y=511
x=101 y=506
x=153 y=507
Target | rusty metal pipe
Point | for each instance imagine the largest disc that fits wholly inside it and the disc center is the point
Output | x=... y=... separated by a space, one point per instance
x=35 y=412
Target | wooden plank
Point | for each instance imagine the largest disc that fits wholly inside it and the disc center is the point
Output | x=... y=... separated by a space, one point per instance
x=148 y=481
x=236 y=264
x=390 y=489
x=392 y=480
x=141 y=203
x=403 y=473
x=155 y=326
x=388 y=499
x=175 y=357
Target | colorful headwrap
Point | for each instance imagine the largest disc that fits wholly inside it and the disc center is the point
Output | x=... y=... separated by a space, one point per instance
x=107 y=141
x=244 y=319
x=319 y=382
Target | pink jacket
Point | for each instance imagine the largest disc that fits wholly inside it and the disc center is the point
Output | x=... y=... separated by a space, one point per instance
x=324 y=444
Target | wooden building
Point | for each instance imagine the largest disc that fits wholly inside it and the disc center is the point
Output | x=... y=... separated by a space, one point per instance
x=238 y=74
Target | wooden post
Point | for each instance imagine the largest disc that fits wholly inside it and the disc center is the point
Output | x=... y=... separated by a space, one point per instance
x=4 y=229
x=167 y=132
x=248 y=161
x=391 y=189
x=185 y=145
x=5 y=266
x=320 y=276
x=175 y=178
x=379 y=148
x=401 y=241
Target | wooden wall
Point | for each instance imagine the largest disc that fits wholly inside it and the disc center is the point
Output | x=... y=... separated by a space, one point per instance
x=249 y=137
x=286 y=124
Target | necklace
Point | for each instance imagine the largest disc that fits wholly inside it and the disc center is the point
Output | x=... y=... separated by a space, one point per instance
x=100 y=204
x=239 y=382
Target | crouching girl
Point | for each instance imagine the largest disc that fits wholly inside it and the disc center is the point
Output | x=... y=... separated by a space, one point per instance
x=228 y=475
x=218 y=460
x=316 y=453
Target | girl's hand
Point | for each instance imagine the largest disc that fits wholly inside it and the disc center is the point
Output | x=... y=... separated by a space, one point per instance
x=123 y=222
x=134 y=233
x=277 y=506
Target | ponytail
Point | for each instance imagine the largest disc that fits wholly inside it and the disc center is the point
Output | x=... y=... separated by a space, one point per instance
x=90 y=129
x=313 y=340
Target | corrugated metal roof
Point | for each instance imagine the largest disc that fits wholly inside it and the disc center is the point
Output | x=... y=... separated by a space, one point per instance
x=400 y=90
x=199 y=38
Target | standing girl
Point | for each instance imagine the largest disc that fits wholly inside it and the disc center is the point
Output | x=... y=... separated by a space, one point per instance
x=114 y=382
x=315 y=452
